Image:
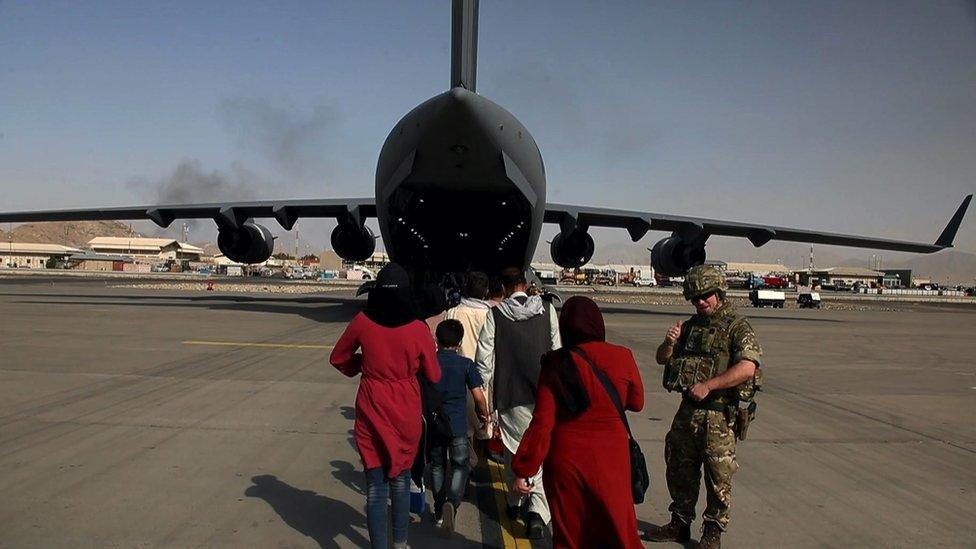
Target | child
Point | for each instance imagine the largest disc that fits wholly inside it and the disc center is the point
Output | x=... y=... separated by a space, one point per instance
x=458 y=375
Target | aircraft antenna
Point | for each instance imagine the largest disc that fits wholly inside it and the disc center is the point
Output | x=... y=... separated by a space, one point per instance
x=464 y=44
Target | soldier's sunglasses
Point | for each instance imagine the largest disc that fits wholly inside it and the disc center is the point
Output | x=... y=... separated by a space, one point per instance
x=702 y=297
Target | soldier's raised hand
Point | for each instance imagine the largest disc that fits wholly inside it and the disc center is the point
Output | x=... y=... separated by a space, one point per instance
x=673 y=333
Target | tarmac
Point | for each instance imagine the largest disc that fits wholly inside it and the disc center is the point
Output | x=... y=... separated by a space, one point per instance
x=152 y=418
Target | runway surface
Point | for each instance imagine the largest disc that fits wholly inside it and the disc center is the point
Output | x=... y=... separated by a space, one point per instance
x=188 y=419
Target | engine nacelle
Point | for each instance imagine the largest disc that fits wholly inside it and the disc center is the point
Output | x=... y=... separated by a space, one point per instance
x=572 y=249
x=251 y=243
x=673 y=257
x=353 y=242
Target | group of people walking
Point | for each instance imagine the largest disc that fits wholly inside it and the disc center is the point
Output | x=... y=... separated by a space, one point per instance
x=554 y=390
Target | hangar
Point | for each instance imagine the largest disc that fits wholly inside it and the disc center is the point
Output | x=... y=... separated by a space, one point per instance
x=146 y=249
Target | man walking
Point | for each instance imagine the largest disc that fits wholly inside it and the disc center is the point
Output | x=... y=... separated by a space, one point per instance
x=515 y=336
x=472 y=313
x=713 y=360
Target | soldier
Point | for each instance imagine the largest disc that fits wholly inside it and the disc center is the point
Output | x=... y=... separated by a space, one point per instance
x=713 y=360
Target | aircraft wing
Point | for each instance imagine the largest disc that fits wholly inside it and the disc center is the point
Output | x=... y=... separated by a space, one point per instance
x=692 y=229
x=286 y=212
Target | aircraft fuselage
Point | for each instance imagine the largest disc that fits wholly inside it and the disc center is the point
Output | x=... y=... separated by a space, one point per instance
x=460 y=184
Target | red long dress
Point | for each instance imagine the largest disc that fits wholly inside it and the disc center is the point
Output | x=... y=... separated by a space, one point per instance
x=388 y=412
x=585 y=459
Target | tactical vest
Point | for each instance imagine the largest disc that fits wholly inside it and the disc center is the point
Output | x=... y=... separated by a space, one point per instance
x=705 y=354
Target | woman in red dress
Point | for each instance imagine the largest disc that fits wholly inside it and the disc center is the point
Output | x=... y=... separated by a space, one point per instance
x=577 y=436
x=393 y=347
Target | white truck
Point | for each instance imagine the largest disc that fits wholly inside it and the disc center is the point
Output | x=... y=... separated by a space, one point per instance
x=358 y=272
x=767 y=298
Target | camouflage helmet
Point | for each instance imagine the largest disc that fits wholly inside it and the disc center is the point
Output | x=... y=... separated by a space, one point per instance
x=702 y=279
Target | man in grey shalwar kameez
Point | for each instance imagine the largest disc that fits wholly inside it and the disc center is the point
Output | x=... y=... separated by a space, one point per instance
x=515 y=335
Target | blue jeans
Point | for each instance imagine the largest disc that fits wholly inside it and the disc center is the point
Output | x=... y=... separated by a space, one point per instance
x=450 y=489
x=378 y=490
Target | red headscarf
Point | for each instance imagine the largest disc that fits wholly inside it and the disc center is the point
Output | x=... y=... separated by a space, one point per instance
x=580 y=321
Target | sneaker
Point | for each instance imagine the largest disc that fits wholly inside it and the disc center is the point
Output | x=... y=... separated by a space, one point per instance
x=448 y=514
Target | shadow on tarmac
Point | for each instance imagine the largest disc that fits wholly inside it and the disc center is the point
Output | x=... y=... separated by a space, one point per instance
x=350 y=475
x=342 y=310
x=321 y=518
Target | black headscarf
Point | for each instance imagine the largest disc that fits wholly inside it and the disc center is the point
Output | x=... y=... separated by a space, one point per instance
x=580 y=321
x=390 y=302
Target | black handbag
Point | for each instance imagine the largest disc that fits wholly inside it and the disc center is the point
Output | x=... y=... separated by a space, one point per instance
x=640 y=479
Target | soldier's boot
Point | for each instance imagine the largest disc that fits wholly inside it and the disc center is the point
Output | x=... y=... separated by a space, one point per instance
x=676 y=530
x=711 y=536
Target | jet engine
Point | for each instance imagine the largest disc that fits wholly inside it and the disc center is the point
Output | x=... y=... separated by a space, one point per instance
x=250 y=243
x=572 y=249
x=353 y=242
x=673 y=256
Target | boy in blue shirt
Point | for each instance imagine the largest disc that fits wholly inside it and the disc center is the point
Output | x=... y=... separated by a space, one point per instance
x=458 y=376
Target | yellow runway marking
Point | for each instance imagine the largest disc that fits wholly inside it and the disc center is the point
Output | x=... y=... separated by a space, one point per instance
x=498 y=483
x=268 y=345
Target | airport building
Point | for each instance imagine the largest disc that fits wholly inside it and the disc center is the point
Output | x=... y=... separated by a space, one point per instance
x=845 y=276
x=146 y=249
x=32 y=256
x=330 y=261
x=898 y=278
x=90 y=261
x=758 y=269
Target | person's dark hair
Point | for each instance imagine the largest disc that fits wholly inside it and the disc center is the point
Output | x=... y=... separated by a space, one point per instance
x=432 y=301
x=476 y=285
x=449 y=333
x=512 y=277
x=495 y=288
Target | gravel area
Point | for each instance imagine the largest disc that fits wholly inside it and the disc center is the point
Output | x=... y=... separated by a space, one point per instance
x=229 y=287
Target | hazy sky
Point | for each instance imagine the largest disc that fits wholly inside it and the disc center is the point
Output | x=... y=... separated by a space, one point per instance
x=845 y=116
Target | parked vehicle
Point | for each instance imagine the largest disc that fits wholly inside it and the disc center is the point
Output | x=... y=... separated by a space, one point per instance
x=808 y=300
x=358 y=272
x=669 y=280
x=547 y=277
x=767 y=298
x=607 y=277
x=646 y=282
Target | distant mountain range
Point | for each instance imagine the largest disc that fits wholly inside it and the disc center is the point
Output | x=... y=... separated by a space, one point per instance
x=76 y=234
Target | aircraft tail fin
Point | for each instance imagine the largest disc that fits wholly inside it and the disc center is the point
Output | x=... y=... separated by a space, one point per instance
x=949 y=233
x=464 y=44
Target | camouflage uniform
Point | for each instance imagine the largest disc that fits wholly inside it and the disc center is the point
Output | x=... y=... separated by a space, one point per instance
x=702 y=432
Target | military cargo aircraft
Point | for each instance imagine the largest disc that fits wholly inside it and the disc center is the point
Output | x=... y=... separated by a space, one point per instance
x=460 y=184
